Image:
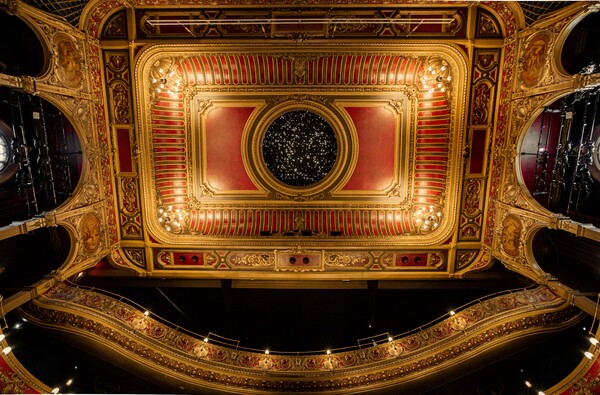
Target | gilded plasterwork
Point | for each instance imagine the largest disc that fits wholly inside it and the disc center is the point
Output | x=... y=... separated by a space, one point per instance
x=401 y=358
x=90 y=232
x=535 y=59
x=197 y=114
x=68 y=61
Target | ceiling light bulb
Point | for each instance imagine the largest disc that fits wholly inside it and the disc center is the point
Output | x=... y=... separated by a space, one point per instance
x=328 y=352
x=390 y=339
x=2 y=337
x=6 y=350
x=69 y=382
x=528 y=384
x=55 y=390
x=588 y=355
x=146 y=313
x=206 y=340
x=452 y=312
x=594 y=341
x=541 y=393
x=267 y=351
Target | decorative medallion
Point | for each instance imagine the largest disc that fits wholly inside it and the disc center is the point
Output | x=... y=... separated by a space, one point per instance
x=90 y=232
x=511 y=235
x=534 y=59
x=68 y=61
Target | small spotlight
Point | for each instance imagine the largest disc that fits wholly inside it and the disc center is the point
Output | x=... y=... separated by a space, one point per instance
x=55 y=390
x=588 y=355
x=528 y=384
x=541 y=393
x=452 y=312
x=328 y=352
x=18 y=325
x=267 y=351
x=146 y=313
x=69 y=381
x=390 y=339
x=6 y=350
x=594 y=341
x=206 y=340
x=2 y=337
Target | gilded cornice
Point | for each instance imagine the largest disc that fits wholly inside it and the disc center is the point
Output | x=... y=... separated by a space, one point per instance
x=402 y=360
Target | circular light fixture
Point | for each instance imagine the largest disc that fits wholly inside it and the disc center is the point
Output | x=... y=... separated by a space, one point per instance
x=299 y=148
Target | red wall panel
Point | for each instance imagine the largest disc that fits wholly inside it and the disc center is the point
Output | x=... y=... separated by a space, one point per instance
x=376 y=140
x=224 y=167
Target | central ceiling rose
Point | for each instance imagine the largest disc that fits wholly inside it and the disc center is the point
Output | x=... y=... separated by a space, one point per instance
x=299 y=148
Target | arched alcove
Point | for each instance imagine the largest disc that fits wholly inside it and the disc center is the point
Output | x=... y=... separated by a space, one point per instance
x=559 y=156
x=27 y=258
x=45 y=152
x=581 y=45
x=571 y=259
x=21 y=52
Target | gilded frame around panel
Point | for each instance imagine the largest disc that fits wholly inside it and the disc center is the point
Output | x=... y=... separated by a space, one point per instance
x=448 y=202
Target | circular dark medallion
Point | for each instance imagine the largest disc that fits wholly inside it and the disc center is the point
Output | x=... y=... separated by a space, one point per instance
x=299 y=148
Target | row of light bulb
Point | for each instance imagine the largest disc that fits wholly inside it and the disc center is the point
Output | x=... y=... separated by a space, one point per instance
x=6 y=350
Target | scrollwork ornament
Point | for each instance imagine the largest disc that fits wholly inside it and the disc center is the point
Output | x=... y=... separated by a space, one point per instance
x=136 y=255
x=253 y=260
x=11 y=383
x=396 y=191
x=300 y=63
x=397 y=105
x=513 y=194
x=586 y=386
x=300 y=98
x=342 y=260
x=129 y=187
x=299 y=197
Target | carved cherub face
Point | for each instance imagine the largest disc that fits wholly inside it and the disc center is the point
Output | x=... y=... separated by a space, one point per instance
x=90 y=232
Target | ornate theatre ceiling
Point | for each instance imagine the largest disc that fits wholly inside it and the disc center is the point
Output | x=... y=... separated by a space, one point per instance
x=300 y=142
x=338 y=150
